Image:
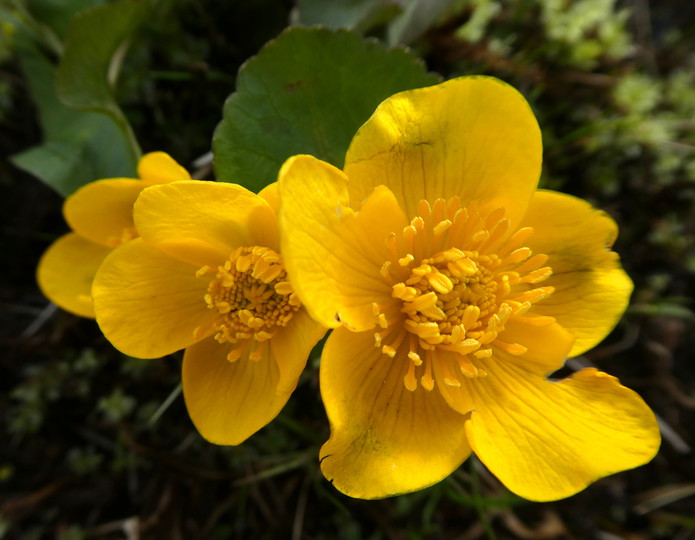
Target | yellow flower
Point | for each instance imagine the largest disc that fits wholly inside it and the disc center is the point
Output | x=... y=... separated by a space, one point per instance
x=205 y=275
x=100 y=215
x=455 y=288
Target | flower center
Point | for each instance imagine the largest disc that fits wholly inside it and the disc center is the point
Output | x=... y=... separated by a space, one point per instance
x=251 y=293
x=458 y=278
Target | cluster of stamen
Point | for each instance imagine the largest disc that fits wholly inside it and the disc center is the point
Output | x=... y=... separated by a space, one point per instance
x=458 y=278
x=251 y=293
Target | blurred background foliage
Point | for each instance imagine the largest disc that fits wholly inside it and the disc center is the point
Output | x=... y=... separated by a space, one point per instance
x=96 y=445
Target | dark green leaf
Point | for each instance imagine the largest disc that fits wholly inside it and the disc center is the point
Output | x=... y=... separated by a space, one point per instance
x=93 y=48
x=308 y=91
x=57 y=14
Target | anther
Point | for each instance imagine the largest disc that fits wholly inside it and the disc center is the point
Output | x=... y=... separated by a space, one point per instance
x=405 y=261
x=253 y=298
x=459 y=277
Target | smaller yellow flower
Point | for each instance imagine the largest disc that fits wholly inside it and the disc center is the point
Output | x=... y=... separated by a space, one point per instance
x=100 y=215
x=206 y=275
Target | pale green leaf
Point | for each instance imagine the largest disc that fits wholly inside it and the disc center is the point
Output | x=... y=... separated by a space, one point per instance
x=93 y=48
x=79 y=146
x=359 y=15
x=417 y=17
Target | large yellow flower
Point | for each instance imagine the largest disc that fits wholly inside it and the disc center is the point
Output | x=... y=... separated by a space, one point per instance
x=100 y=215
x=455 y=288
x=205 y=275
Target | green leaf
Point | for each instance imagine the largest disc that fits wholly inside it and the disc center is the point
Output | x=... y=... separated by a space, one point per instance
x=308 y=91
x=405 y=20
x=91 y=148
x=93 y=48
x=79 y=146
x=57 y=14
x=359 y=15
x=665 y=308
x=416 y=19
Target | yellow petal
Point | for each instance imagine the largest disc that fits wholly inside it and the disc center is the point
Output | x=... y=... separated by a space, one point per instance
x=546 y=351
x=271 y=194
x=291 y=346
x=66 y=271
x=102 y=211
x=332 y=254
x=547 y=347
x=149 y=305
x=472 y=137
x=591 y=289
x=548 y=440
x=202 y=223
x=230 y=401
x=160 y=168
x=385 y=440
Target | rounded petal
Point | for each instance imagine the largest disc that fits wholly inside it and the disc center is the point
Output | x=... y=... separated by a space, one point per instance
x=271 y=194
x=160 y=168
x=228 y=402
x=149 y=305
x=385 y=440
x=546 y=346
x=102 y=211
x=66 y=271
x=332 y=254
x=202 y=223
x=548 y=440
x=591 y=289
x=471 y=137
x=546 y=351
x=291 y=347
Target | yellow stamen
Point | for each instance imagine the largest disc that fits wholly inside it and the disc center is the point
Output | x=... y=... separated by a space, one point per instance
x=405 y=261
x=251 y=293
x=409 y=380
x=461 y=277
x=514 y=349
